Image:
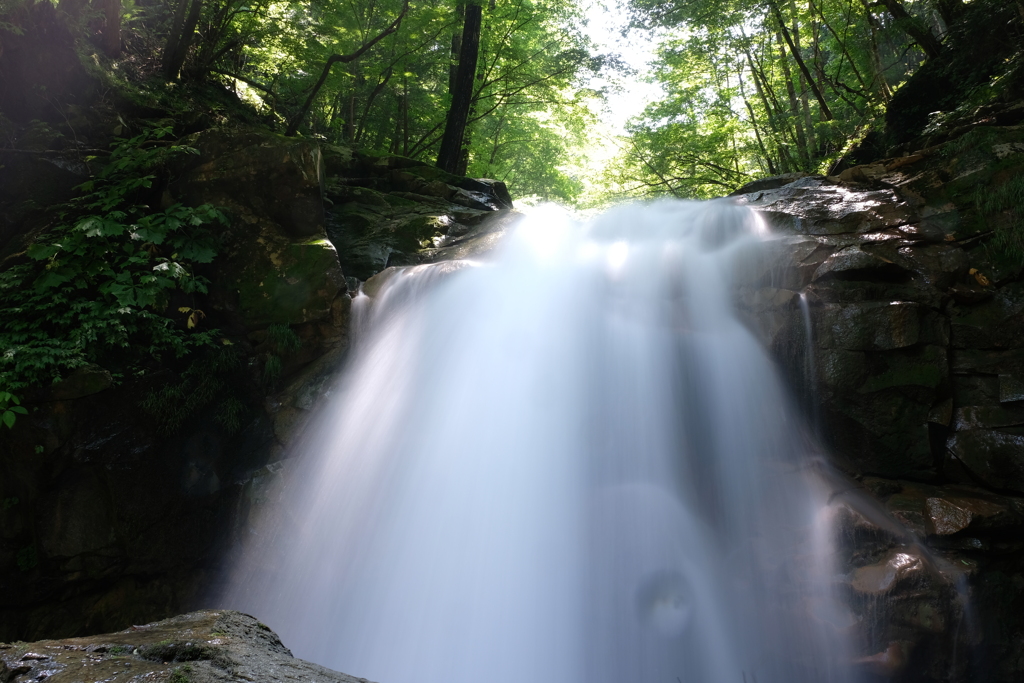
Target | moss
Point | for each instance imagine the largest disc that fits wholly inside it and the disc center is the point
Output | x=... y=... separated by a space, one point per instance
x=415 y=233
x=291 y=284
x=177 y=651
x=181 y=674
x=434 y=173
x=981 y=136
x=1002 y=209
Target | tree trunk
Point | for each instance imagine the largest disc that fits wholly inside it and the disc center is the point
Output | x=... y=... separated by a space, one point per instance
x=842 y=46
x=453 y=65
x=293 y=125
x=812 y=144
x=794 y=107
x=825 y=111
x=180 y=40
x=450 y=154
x=774 y=111
x=876 y=58
x=177 y=23
x=917 y=30
x=950 y=10
x=112 y=28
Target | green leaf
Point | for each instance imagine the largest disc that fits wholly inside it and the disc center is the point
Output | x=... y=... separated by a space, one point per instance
x=41 y=252
x=50 y=279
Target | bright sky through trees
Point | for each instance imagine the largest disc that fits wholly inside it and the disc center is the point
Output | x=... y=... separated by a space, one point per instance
x=607 y=21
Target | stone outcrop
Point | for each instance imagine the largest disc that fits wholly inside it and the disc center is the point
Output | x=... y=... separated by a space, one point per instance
x=200 y=647
x=895 y=304
x=384 y=211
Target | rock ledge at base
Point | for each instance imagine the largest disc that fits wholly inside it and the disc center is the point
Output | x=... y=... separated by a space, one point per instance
x=199 y=647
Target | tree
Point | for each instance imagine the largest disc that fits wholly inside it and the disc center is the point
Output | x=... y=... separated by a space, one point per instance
x=794 y=84
x=112 y=27
x=336 y=58
x=186 y=17
x=450 y=154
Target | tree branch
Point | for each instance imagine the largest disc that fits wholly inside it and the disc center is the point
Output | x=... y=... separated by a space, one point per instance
x=293 y=126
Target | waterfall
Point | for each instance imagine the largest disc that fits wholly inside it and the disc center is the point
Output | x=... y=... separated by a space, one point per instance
x=569 y=464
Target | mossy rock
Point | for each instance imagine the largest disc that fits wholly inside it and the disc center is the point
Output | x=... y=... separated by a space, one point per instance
x=287 y=282
x=924 y=367
x=338 y=160
x=258 y=172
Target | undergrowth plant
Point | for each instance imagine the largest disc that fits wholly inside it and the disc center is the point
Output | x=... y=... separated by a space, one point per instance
x=97 y=284
x=213 y=381
x=1006 y=197
x=10 y=408
x=281 y=342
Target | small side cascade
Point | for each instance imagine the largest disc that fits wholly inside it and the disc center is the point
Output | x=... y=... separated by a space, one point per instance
x=572 y=464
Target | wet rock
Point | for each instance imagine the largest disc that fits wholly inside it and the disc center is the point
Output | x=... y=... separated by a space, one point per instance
x=949 y=509
x=988 y=417
x=996 y=323
x=849 y=262
x=277 y=264
x=883 y=577
x=200 y=647
x=945 y=517
x=877 y=326
x=772 y=183
x=887 y=663
x=813 y=206
x=77 y=520
x=995 y=457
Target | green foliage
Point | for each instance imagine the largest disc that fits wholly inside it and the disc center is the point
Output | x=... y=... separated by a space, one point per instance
x=272 y=369
x=979 y=137
x=1006 y=197
x=102 y=276
x=213 y=379
x=394 y=98
x=10 y=408
x=181 y=674
x=748 y=96
x=281 y=341
x=27 y=558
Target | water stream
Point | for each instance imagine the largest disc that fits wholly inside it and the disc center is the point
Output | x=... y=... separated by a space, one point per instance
x=571 y=464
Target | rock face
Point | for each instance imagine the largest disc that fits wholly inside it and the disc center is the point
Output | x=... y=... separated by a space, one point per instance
x=898 y=315
x=385 y=210
x=108 y=516
x=200 y=647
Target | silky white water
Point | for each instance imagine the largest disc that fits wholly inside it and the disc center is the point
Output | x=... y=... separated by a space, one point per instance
x=571 y=464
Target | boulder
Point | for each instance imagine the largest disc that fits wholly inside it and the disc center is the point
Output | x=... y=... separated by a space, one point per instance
x=211 y=646
x=278 y=265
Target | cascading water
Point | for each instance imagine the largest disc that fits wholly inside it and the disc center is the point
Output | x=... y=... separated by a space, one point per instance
x=572 y=464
